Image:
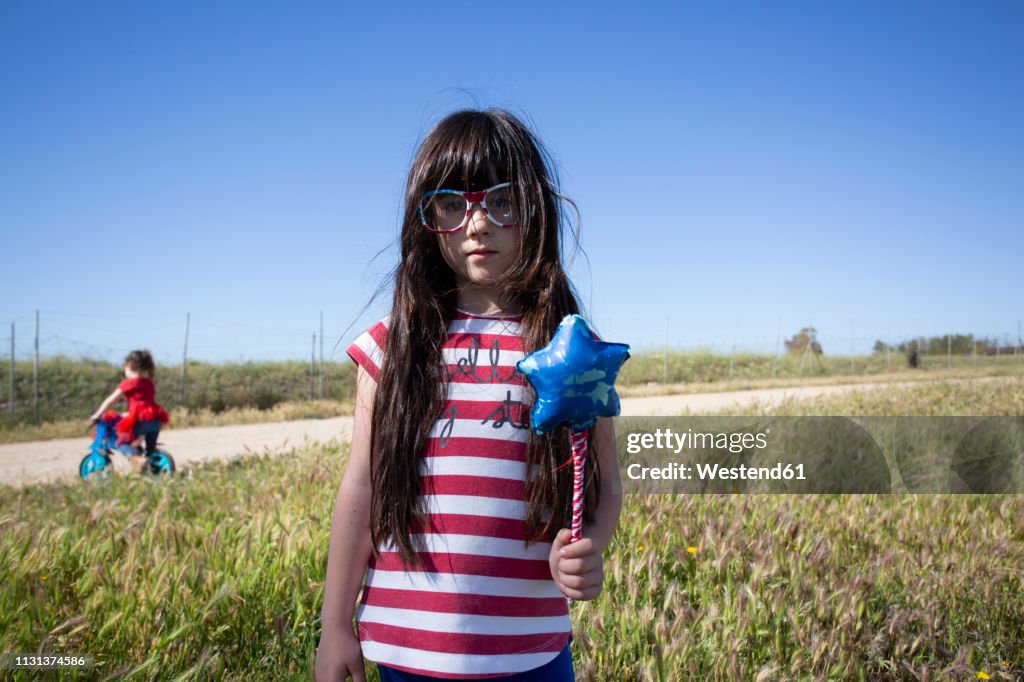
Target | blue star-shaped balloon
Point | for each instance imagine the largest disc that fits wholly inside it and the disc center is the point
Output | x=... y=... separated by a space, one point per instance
x=573 y=377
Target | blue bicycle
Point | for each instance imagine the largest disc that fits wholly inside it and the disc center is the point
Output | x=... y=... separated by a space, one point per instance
x=97 y=463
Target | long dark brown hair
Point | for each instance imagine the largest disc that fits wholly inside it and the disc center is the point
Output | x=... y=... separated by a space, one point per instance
x=470 y=150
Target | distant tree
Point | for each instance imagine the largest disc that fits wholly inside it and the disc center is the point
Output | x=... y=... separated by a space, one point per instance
x=806 y=336
x=958 y=344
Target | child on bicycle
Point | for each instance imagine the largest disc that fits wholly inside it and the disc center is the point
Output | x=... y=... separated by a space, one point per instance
x=145 y=416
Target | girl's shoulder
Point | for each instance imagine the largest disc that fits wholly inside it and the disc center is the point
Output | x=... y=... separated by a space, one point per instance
x=367 y=351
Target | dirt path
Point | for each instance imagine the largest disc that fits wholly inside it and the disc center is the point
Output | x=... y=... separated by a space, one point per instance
x=22 y=463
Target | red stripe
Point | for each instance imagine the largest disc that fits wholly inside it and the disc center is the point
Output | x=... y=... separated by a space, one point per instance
x=468 y=564
x=379 y=333
x=363 y=360
x=483 y=373
x=476 y=447
x=476 y=486
x=470 y=604
x=460 y=340
x=491 y=410
x=463 y=643
x=459 y=524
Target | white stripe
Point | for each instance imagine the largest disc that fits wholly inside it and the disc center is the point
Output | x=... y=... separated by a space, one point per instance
x=472 y=428
x=462 y=623
x=474 y=505
x=366 y=344
x=484 y=467
x=455 y=583
x=497 y=393
x=466 y=664
x=481 y=326
x=478 y=545
x=482 y=357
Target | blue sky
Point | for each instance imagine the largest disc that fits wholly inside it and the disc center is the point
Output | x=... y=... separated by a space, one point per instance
x=738 y=166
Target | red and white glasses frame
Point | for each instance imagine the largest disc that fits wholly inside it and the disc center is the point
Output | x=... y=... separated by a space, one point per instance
x=444 y=211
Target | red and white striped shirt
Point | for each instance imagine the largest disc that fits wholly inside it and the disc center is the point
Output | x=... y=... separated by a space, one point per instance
x=479 y=603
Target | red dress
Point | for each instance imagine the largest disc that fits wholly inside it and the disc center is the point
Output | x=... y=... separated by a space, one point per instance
x=141 y=396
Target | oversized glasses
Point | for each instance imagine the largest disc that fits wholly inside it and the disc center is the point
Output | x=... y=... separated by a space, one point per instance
x=448 y=210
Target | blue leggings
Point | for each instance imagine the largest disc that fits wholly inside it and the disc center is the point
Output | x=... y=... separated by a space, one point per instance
x=151 y=430
x=558 y=670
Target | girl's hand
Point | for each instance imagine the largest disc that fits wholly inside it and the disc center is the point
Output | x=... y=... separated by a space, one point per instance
x=576 y=568
x=338 y=658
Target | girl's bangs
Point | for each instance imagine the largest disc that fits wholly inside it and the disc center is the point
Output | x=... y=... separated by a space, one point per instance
x=471 y=158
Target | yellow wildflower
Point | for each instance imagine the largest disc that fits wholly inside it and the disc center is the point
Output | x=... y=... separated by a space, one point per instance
x=42 y=577
x=641 y=548
x=691 y=550
x=981 y=676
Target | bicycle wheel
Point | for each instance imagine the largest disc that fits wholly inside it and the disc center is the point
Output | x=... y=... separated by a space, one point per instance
x=161 y=464
x=94 y=466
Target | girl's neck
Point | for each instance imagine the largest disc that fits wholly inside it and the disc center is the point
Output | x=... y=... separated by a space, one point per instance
x=481 y=300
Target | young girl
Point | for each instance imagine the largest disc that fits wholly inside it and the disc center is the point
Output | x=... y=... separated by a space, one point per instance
x=456 y=513
x=144 y=416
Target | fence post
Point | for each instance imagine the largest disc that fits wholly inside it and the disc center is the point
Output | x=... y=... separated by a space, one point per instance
x=10 y=389
x=312 y=366
x=732 y=353
x=778 y=336
x=888 y=342
x=184 y=361
x=851 y=346
x=664 y=368
x=974 y=354
x=320 y=393
x=35 y=373
x=923 y=350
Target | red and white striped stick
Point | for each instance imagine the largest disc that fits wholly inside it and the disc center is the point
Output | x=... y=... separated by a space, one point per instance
x=579 y=458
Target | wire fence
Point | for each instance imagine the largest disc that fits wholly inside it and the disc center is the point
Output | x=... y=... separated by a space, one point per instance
x=53 y=375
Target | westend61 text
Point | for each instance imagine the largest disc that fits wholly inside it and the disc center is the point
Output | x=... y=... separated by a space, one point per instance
x=715 y=472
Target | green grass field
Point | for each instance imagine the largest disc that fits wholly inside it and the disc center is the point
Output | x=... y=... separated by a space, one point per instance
x=218 y=574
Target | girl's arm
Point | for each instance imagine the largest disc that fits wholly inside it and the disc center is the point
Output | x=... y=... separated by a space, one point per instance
x=348 y=553
x=577 y=568
x=111 y=399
